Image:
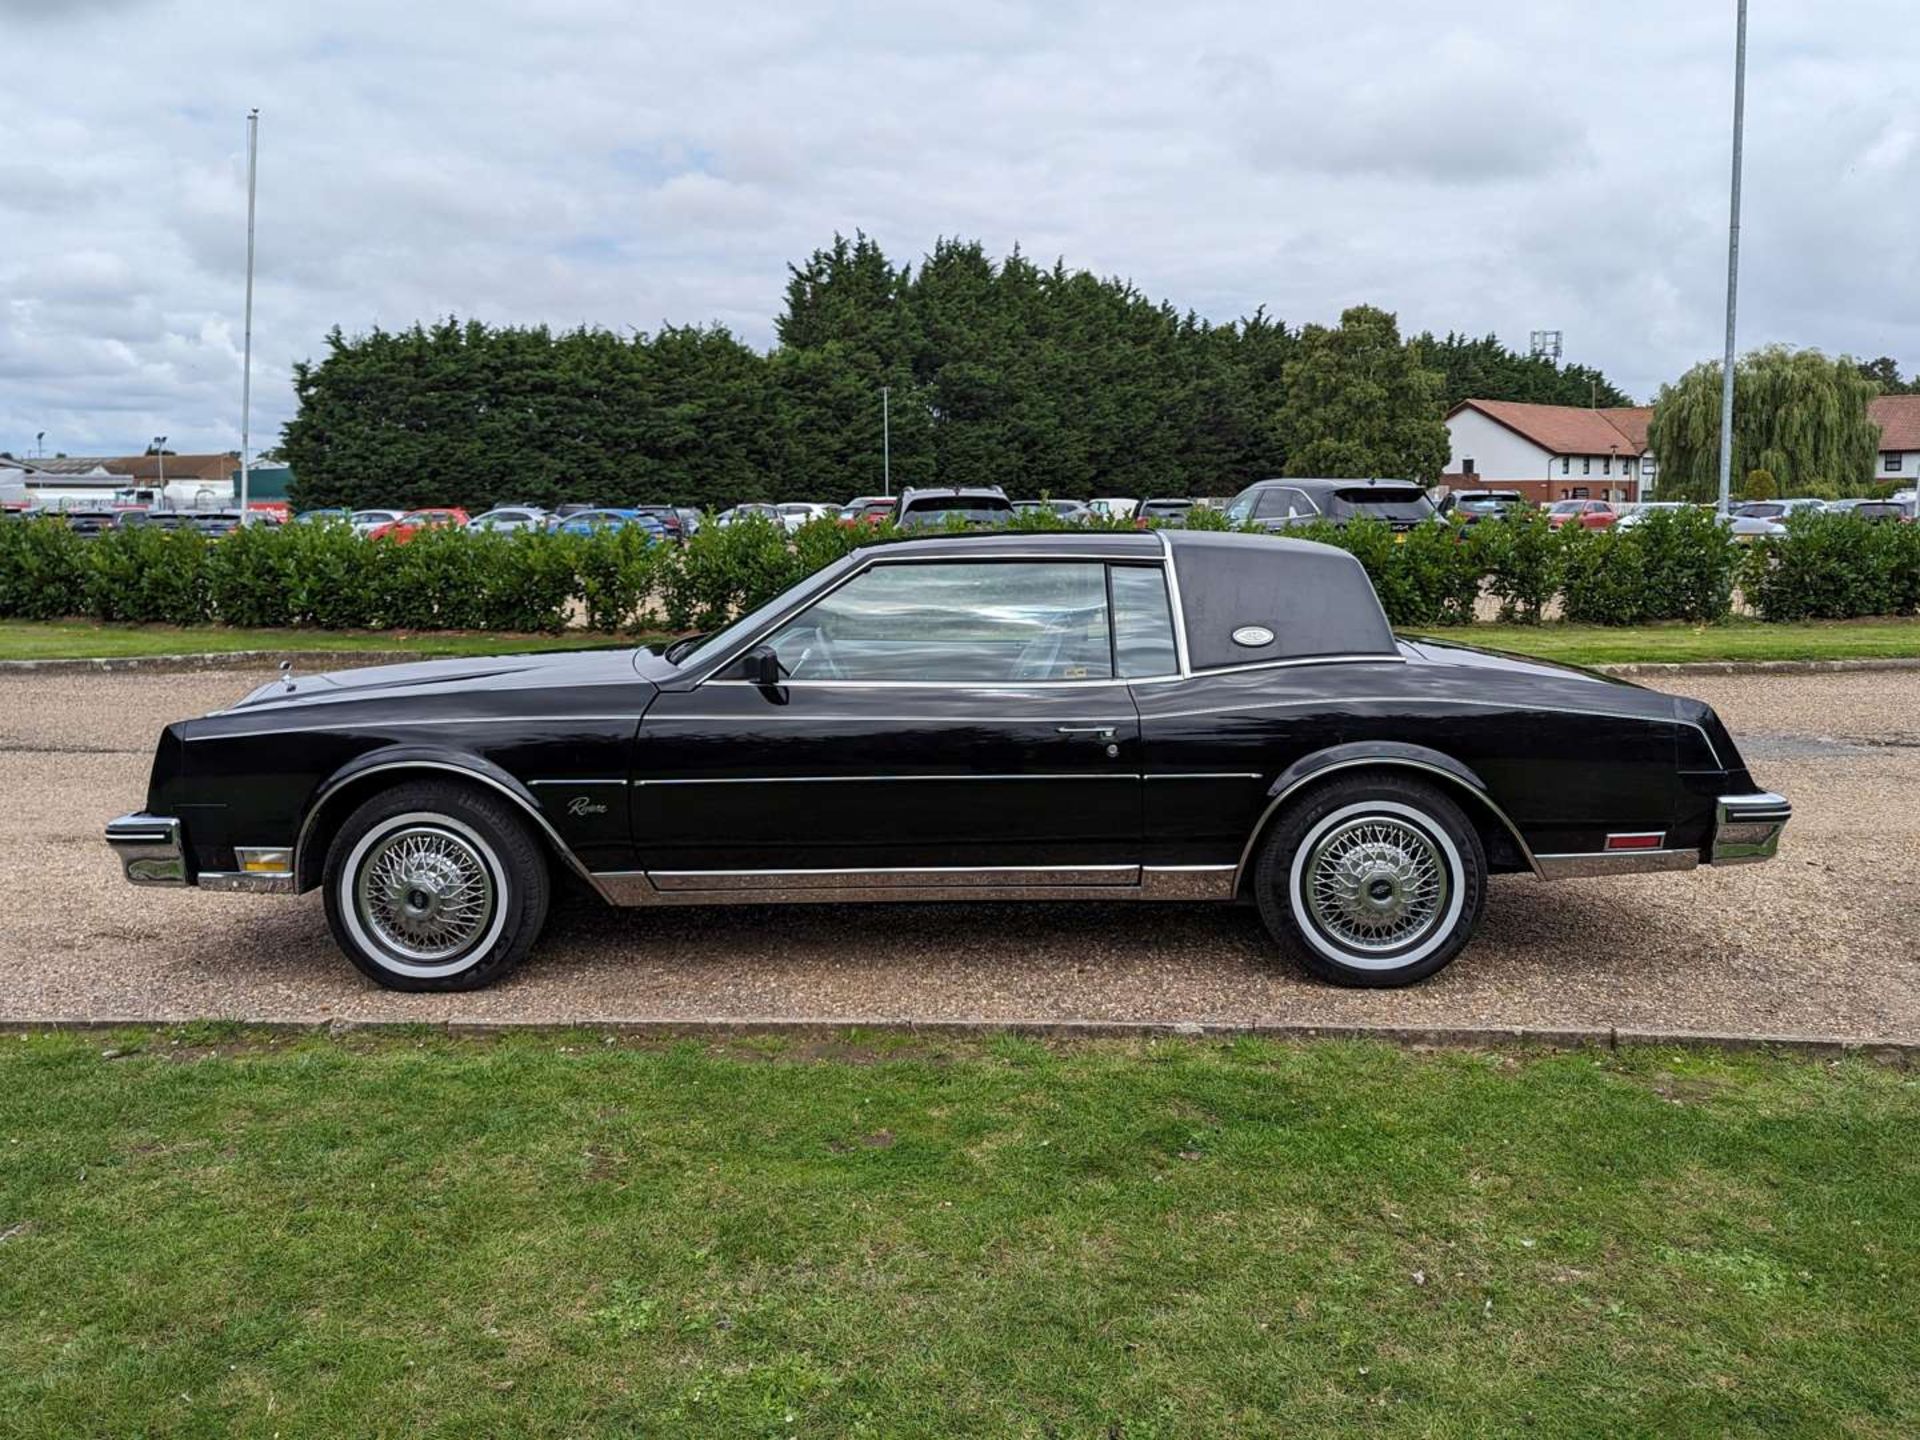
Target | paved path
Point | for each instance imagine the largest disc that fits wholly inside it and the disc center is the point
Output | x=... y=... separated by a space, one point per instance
x=1825 y=940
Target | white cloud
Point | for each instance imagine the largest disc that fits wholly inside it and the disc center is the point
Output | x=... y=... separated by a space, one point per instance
x=1501 y=166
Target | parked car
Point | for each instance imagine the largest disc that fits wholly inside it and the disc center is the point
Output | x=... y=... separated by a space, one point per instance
x=400 y=531
x=1880 y=512
x=588 y=523
x=333 y=516
x=931 y=508
x=1633 y=516
x=365 y=522
x=1071 y=511
x=592 y=522
x=668 y=519
x=1759 y=518
x=1162 y=512
x=1469 y=507
x=1181 y=715
x=512 y=519
x=748 y=510
x=1584 y=514
x=90 y=522
x=1112 y=507
x=868 y=510
x=690 y=520
x=1401 y=505
x=795 y=513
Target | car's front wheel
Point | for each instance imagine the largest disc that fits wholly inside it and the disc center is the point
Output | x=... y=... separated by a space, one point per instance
x=434 y=885
x=1372 y=880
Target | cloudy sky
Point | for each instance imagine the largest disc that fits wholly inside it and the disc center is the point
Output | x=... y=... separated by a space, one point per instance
x=1486 y=165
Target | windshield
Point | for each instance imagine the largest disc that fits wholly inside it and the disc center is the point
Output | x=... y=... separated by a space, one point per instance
x=1565 y=507
x=1761 y=512
x=1389 y=503
x=1488 y=504
x=721 y=641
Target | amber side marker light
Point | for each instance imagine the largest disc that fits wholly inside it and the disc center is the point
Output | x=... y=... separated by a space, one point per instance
x=274 y=861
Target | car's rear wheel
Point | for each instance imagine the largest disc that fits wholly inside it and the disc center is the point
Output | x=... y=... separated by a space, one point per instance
x=434 y=885
x=1372 y=880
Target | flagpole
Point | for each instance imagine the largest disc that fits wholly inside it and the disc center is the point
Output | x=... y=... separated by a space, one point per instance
x=246 y=361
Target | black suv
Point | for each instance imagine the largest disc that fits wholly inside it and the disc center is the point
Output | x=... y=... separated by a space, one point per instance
x=1282 y=504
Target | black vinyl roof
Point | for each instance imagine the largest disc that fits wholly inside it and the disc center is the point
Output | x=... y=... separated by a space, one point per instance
x=1311 y=599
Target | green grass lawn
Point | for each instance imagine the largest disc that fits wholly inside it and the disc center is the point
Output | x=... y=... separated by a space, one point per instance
x=895 y=1236
x=1736 y=640
x=1578 y=644
x=82 y=639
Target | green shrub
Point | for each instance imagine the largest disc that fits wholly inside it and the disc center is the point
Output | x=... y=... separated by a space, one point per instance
x=148 y=575
x=1833 y=567
x=1521 y=557
x=1603 y=578
x=619 y=573
x=43 y=573
x=722 y=572
x=1688 y=563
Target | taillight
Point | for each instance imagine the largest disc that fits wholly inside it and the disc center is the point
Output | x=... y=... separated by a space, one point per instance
x=1637 y=840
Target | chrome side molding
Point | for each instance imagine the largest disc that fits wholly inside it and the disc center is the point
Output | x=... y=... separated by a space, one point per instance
x=849 y=887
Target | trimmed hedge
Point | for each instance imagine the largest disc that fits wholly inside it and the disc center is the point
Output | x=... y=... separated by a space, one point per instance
x=1675 y=566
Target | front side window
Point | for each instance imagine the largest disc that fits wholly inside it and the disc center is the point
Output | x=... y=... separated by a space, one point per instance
x=984 y=622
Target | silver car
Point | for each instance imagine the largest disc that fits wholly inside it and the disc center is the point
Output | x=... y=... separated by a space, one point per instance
x=510 y=519
x=1768 y=517
x=364 y=521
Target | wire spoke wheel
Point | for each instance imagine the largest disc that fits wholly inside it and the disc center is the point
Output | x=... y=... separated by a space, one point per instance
x=425 y=892
x=1375 y=884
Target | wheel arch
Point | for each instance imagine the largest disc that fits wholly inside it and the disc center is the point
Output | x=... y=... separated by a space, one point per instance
x=1388 y=757
x=339 y=794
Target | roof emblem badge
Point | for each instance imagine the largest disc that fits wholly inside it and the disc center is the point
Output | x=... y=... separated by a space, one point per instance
x=1253 y=636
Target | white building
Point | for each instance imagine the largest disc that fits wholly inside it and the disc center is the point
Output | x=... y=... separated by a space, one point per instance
x=1550 y=452
x=1898 y=417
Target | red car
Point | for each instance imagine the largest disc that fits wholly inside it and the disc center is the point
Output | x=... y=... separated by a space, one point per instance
x=414 y=521
x=869 y=510
x=1587 y=514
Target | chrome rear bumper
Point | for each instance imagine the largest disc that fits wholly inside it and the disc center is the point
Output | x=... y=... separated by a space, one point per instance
x=153 y=852
x=1747 y=828
x=150 y=849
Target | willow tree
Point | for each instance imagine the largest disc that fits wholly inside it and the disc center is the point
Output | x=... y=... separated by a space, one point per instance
x=1797 y=415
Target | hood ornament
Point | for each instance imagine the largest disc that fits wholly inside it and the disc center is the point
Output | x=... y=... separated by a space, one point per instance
x=286 y=673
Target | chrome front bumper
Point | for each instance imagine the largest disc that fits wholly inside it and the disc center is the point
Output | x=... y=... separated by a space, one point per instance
x=152 y=852
x=1747 y=828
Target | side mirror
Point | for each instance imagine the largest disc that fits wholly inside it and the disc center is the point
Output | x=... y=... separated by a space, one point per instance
x=761 y=666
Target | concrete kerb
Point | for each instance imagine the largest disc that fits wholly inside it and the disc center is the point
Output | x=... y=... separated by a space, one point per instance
x=1886 y=1051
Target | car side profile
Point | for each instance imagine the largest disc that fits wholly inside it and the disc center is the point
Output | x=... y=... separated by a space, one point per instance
x=1281 y=505
x=1165 y=715
x=1582 y=514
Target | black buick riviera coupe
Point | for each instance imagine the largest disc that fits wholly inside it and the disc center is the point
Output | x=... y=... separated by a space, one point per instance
x=1157 y=716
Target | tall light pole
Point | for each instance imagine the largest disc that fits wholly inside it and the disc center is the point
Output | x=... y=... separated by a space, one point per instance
x=246 y=342
x=886 y=443
x=1733 y=256
x=40 y=444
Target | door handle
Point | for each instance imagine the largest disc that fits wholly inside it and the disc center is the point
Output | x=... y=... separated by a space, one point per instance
x=1098 y=732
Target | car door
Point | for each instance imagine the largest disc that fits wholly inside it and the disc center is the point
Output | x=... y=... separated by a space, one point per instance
x=938 y=722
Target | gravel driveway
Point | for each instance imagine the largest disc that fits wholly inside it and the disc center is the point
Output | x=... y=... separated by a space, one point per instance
x=1826 y=940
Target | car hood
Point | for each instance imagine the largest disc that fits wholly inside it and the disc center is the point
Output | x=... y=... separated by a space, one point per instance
x=491 y=674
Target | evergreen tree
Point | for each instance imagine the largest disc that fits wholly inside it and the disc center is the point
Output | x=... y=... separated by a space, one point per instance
x=1359 y=403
